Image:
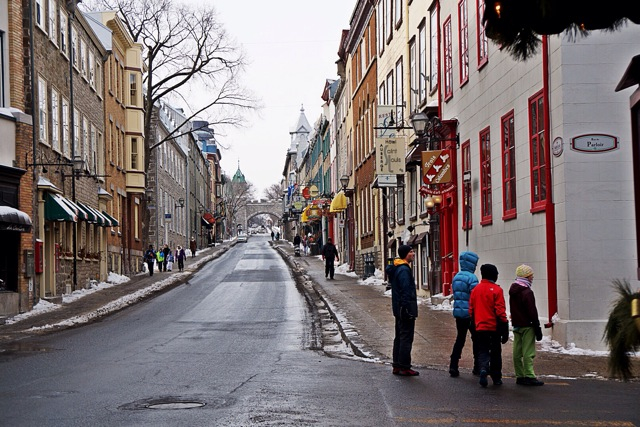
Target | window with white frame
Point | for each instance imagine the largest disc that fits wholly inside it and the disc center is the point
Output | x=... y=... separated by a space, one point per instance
x=388 y=21
x=74 y=47
x=413 y=75
x=390 y=87
x=85 y=143
x=53 y=22
x=66 y=149
x=100 y=153
x=55 y=120
x=463 y=41
x=433 y=49
x=93 y=154
x=413 y=193
x=398 y=12
x=447 y=51
x=63 y=33
x=98 y=77
x=77 y=149
x=422 y=61
x=43 y=123
x=83 y=58
x=380 y=28
x=133 y=89
x=399 y=101
x=40 y=19
x=92 y=69
x=482 y=41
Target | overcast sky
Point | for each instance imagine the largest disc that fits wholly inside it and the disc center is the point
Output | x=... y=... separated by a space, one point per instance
x=291 y=48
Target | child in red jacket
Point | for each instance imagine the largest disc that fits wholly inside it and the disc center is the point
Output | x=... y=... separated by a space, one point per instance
x=487 y=309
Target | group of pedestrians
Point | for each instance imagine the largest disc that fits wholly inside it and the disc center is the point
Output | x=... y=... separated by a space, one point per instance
x=479 y=308
x=164 y=258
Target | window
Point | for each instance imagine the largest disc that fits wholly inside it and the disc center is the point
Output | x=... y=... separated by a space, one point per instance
x=40 y=15
x=422 y=62
x=463 y=25
x=93 y=153
x=83 y=58
x=100 y=153
x=400 y=201
x=92 y=69
x=84 y=151
x=3 y=71
x=380 y=28
x=413 y=76
x=398 y=12
x=433 y=45
x=448 y=59
x=42 y=111
x=508 y=167
x=74 y=47
x=466 y=188
x=55 y=120
x=388 y=20
x=133 y=89
x=389 y=100
x=413 y=193
x=485 y=177
x=63 y=33
x=66 y=146
x=399 y=91
x=77 y=149
x=537 y=139
x=53 y=22
x=98 y=77
x=482 y=42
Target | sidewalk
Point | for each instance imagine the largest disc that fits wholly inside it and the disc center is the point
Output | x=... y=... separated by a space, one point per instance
x=368 y=312
x=105 y=301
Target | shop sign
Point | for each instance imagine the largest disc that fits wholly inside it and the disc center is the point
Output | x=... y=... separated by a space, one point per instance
x=436 y=165
x=391 y=154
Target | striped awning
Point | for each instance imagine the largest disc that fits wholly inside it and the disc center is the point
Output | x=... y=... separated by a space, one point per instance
x=114 y=222
x=56 y=208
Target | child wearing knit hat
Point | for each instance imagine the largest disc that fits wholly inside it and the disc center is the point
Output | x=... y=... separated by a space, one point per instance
x=526 y=326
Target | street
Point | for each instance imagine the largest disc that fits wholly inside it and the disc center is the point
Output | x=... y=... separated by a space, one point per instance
x=237 y=346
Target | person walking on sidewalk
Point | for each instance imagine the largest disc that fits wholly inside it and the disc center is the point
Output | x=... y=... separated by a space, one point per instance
x=150 y=258
x=329 y=255
x=487 y=309
x=526 y=326
x=180 y=256
x=193 y=246
x=462 y=284
x=166 y=252
x=404 y=302
x=160 y=259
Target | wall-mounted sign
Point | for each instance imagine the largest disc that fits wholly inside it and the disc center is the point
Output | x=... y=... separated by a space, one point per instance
x=386 y=121
x=556 y=147
x=391 y=154
x=436 y=165
x=594 y=143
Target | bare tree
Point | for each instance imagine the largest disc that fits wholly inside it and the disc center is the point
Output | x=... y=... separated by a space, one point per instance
x=273 y=192
x=185 y=50
x=236 y=197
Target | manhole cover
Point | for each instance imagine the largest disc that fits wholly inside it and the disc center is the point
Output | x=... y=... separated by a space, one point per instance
x=176 y=405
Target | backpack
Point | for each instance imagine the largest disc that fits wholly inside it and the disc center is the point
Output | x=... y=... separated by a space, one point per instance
x=160 y=256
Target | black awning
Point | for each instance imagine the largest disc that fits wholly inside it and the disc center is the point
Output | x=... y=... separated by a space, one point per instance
x=12 y=219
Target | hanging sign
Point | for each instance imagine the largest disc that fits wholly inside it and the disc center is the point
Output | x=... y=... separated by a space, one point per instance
x=436 y=166
x=391 y=154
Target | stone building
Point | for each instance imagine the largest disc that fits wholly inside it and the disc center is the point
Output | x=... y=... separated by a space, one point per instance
x=17 y=257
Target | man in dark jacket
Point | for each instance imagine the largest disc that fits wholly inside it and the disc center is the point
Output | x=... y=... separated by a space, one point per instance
x=526 y=326
x=150 y=259
x=166 y=252
x=462 y=284
x=405 y=309
x=329 y=255
x=487 y=309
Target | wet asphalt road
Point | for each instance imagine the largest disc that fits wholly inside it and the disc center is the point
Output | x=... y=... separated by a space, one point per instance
x=236 y=346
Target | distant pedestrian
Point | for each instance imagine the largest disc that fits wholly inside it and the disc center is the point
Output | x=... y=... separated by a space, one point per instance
x=170 y=259
x=150 y=259
x=166 y=250
x=487 y=309
x=305 y=245
x=462 y=284
x=526 y=326
x=329 y=256
x=273 y=235
x=405 y=309
x=160 y=259
x=193 y=246
x=180 y=257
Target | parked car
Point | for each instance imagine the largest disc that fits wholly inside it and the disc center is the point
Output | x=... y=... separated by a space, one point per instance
x=242 y=237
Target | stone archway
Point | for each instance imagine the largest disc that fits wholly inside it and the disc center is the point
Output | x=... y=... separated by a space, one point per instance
x=258 y=208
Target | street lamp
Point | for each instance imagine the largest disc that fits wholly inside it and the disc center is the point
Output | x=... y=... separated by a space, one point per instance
x=180 y=203
x=344 y=181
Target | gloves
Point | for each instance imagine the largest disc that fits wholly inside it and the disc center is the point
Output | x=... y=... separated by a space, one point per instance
x=503 y=330
x=538 y=331
x=406 y=315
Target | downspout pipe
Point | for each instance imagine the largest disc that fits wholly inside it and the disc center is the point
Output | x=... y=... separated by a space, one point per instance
x=550 y=214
